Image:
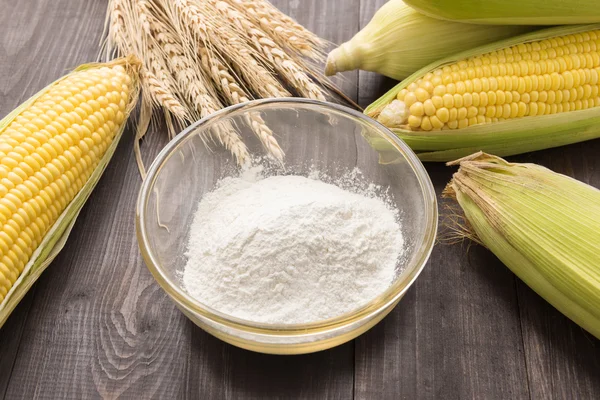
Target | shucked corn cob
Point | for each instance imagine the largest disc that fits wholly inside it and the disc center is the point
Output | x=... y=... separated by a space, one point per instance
x=546 y=82
x=49 y=149
x=539 y=78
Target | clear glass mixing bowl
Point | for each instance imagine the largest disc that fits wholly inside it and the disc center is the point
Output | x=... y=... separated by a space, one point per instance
x=329 y=137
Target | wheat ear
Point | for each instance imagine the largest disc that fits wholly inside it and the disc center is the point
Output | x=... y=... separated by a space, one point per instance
x=284 y=30
x=281 y=61
x=125 y=25
x=194 y=84
x=188 y=80
x=197 y=18
x=234 y=94
x=272 y=12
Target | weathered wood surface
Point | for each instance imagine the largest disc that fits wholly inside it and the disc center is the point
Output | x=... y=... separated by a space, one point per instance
x=96 y=325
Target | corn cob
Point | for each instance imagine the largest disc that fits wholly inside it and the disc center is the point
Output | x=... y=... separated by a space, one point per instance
x=535 y=91
x=506 y=12
x=53 y=149
x=544 y=226
x=399 y=40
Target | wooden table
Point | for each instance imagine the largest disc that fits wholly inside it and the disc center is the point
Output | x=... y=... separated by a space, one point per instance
x=97 y=325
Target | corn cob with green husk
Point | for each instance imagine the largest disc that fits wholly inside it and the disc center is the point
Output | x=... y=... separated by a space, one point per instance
x=53 y=149
x=502 y=12
x=543 y=225
x=399 y=41
x=532 y=92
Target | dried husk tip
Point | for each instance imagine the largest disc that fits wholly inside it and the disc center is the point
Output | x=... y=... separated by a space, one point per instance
x=543 y=225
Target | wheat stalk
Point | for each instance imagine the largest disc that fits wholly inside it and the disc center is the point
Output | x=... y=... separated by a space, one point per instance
x=284 y=30
x=199 y=55
x=161 y=94
x=188 y=80
x=235 y=94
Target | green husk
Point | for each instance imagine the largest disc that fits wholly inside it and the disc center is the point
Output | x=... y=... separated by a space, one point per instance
x=57 y=236
x=502 y=138
x=542 y=225
x=399 y=40
x=506 y=12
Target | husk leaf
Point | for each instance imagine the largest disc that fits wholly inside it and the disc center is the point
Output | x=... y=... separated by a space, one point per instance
x=57 y=236
x=544 y=226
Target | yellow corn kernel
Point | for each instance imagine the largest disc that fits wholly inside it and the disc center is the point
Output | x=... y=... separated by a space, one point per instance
x=467 y=99
x=414 y=121
x=443 y=114
x=458 y=101
x=421 y=94
x=453 y=114
x=417 y=109
x=428 y=107
x=448 y=100
x=435 y=122
x=426 y=124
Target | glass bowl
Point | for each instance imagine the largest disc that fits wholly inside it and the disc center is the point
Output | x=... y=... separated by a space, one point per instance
x=329 y=137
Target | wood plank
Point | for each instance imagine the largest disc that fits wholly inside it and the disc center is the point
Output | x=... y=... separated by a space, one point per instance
x=97 y=325
x=563 y=360
x=444 y=339
x=456 y=334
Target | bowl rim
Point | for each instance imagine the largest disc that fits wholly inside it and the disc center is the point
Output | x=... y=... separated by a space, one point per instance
x=380 y=303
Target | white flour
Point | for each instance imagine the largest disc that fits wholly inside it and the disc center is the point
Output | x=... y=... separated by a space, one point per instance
x=289 y=249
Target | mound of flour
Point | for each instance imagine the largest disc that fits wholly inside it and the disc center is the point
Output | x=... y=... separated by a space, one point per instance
x=290 y=249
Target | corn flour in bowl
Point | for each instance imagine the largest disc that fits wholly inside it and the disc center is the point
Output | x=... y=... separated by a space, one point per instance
x=290 y=249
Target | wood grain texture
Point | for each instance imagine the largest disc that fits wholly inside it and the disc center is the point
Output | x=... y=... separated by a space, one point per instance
x=97 y=325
